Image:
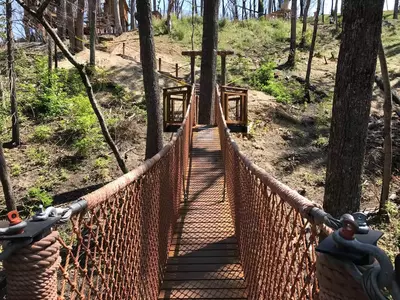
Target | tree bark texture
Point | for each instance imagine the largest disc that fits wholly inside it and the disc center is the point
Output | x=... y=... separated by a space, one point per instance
x=117 y=18
x=302 y=8
x=79 y=25
x=6 y=182
x=154 y=142
x=304 y=29
x=260 y=8
x=133 y=11
x=396 y=9
x=11 y=75
x=121 y=9
x=362 y=22
x=50 y=56
x=208 y=62
x=169 y=12
x=61 y=19
x=92 y=27
x=387 y=130
x=71 y=24
x=292 y=51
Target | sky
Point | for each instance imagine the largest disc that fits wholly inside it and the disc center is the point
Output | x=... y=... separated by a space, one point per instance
x=18 y=32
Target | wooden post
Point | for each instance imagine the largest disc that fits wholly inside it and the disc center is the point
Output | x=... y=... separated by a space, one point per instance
x=176 y=70
x=223 y=69
x=123 y=49
x=192 y=69
x=159 y=64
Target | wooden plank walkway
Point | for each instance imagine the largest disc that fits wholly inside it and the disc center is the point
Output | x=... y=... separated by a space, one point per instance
x=203 y=260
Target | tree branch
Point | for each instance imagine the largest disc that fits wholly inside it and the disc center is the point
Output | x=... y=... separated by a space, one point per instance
x=42 y=7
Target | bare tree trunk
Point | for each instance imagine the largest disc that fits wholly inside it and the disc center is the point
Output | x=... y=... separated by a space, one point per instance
x=387 y=131
x=260 y=8
x=169 y=12
x=208 y=62
x=122 y=15
x=6 y=182
x=85 y=80
x=195 y=7
x=311 y=55
x=223 y=9
x=323 y=11
x=92 y=26
x=302 y=8
x=117 y=18
x=50 y=56
x=27 y=27
x=336 y=15
x=304 y=30
x=235 y=10
x=351 y=105
x=55 y=57
x=79 y=25
x=61 y=19
x=244 y=11
x=71 y=25
x=202 y=8
x=332 y=3
x=154 y=142
x=292 y=52
x=133 y=11
x=15 y=141
x=396 y=9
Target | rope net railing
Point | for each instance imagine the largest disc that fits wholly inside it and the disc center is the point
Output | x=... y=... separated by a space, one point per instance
x=275 y=231
x=117 y=247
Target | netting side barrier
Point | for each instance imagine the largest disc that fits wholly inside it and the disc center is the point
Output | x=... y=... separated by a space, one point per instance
x=115 y=244
x=275 y=230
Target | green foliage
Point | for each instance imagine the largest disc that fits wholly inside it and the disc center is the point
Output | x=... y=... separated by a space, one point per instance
x=39 y=156
x=37 y=194
x=42 y=133
x=16 y=170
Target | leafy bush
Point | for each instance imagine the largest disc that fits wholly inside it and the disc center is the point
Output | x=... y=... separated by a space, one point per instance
x=38 y=194
x=42 y=133
x=178 y=34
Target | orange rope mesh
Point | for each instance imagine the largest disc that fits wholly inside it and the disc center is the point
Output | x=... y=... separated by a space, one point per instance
x=276 y=235
x=118 y=247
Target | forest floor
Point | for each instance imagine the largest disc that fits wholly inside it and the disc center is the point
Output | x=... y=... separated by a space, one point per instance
x=287 y=138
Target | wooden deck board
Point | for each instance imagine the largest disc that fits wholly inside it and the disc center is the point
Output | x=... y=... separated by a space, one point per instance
x=203 y=260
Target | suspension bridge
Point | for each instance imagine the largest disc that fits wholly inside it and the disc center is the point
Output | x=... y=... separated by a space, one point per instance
x=197 y=221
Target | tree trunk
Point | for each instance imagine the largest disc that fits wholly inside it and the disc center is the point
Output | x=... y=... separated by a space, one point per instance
x=202 y=8
x=85 y=80
x=50 y=56
x=169 y=12
x=387 y=131
x=292 y=52
x=208 y=62
x=302 y=8
x=332 y=3
x=235 y=10
x=362 y=22
x=71 y=25
x=312 y=47
x=396 y=9
x=154 y=141
x=55 y=57
x=323 y=11
x=133 y=11
x=223 y=9
x=260 y=8
x=154 y=5
x=304 y=30
x=61 y=19
x=6 y=182
x=79 y=25
x=244 y=11
x=122 y=16
x=336 y=15
x=15 y=141
x=92 y=26
x=117 y=18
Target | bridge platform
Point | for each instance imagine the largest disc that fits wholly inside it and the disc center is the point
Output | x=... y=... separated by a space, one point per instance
x=203 y=259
